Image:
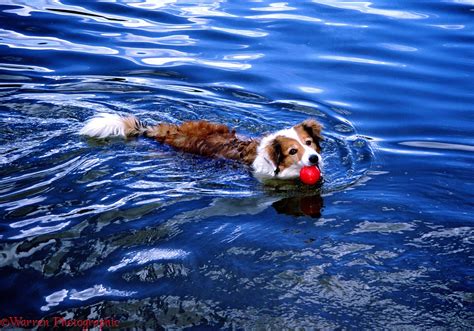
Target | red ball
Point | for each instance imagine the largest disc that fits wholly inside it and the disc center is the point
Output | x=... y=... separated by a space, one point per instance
x=310 y=175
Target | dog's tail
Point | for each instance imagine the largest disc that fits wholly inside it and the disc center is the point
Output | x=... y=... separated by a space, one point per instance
x=105 y=125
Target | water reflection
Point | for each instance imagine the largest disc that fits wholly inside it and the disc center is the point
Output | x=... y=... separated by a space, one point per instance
x=300 y=206
x=287 y=201
x=99 y=290
x=177 y=61
x=137 y=230
x=146 y=256
x=368 y=8
x=360 y=60
x=27 y=8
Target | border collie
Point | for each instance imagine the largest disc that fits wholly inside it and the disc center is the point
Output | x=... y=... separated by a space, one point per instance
x=279 y=155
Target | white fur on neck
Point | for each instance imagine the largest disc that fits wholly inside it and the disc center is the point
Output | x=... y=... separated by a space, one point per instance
x=264 y=168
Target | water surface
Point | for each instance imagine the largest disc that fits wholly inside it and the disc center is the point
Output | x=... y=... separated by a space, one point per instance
x=156 y=238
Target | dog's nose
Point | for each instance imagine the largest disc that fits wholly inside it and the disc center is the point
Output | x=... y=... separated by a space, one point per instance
x=314 y=159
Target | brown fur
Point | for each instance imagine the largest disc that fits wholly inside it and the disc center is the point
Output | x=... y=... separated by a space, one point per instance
x=205 y=138
x=132 y=126
x=217 y=140
x=310 y=130
x=279 y=152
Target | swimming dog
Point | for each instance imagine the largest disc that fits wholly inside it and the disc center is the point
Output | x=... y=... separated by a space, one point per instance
x=279 y=155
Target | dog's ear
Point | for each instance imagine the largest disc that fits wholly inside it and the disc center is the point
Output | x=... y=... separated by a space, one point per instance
x=313 y=129
x=275 y=153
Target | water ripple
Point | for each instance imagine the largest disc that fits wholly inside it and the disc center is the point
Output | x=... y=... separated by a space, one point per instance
x=368 y=8
x=360 y=60
x=57 y=7
x=438 y=145
x=129 y=227
x=146 y=256
x=176 y=61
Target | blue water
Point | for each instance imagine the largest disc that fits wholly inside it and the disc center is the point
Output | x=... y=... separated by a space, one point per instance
x=160 y=239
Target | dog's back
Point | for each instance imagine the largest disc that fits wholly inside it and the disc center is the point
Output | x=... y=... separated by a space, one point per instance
x=197 y=137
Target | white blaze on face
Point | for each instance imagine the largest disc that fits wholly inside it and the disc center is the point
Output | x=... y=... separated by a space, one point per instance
x=264 y=167
x=308 y=150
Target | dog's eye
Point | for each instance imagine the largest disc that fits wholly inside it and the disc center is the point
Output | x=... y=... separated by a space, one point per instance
x=308 y=142
x=293 y=151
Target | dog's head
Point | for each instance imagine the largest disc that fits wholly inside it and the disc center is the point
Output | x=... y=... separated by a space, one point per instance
x=283 y=153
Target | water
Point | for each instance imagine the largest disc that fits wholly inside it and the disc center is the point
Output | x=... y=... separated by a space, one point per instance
x=156 y=238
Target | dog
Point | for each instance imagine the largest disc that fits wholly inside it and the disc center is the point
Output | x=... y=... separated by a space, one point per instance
x=279 y=155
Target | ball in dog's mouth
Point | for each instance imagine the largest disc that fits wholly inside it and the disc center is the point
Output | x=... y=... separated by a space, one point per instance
x=310 y=175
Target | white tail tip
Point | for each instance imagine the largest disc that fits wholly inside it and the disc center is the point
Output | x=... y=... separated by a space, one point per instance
x=104 y=125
